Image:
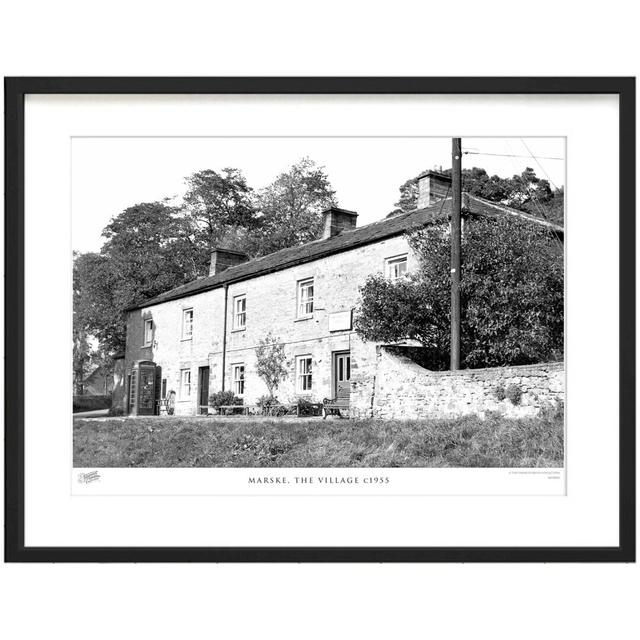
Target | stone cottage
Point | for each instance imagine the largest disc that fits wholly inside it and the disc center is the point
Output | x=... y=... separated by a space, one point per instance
x=201 y=337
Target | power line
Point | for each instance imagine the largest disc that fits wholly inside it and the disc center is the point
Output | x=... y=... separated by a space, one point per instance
x=536 y=159
x=509 y=155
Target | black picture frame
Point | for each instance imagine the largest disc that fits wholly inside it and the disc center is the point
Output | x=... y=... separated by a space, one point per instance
x=15 y=91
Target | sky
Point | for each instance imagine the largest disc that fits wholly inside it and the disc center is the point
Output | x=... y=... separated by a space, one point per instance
x=110 y=174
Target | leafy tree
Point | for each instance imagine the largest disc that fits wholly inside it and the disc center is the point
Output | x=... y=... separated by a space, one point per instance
x=526 y=192
x=511 y=296
x=271 y=362
x=147 y=251
x=291 y=207
x=220 y=210
x=81 y=358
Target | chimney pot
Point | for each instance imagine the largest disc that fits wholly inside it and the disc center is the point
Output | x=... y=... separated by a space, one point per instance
x=338 y=220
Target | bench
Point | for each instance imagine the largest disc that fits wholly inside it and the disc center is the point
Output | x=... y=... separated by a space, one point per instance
x=166 y=406
x=335 y=405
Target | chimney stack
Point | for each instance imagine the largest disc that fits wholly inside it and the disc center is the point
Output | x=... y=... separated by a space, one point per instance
x=338 y=220
x=222 y=259
x=432 y=186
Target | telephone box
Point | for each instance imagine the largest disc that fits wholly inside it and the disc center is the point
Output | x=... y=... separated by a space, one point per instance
x=142 y=389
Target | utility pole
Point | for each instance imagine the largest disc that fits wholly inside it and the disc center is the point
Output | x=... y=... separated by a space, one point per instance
x=456 y=236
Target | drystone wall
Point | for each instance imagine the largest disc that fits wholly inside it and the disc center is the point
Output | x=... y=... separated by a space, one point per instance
x=401 y=389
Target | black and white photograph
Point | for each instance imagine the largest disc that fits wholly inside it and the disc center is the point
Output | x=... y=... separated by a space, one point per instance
x=318 y=302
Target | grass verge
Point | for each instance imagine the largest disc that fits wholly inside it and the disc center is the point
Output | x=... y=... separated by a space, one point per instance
x=228 y=442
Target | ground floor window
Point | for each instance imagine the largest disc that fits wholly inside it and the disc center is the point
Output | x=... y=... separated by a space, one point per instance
x=396 y=267
x=304 y=374
x=185 y=383
x=238 y=379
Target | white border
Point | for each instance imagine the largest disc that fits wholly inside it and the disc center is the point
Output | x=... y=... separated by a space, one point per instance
x=586 y=516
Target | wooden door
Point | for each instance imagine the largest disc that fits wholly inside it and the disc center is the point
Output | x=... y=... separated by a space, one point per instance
x=342 y=374
x=203 y=390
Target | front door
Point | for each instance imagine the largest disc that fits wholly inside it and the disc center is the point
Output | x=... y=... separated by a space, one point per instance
x=342 y=374
x=203 y=390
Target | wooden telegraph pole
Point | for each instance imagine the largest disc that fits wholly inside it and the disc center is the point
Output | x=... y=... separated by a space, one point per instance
x=456 y=236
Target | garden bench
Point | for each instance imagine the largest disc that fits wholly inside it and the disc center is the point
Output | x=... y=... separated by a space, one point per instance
x=166 y=406
x=336 y=405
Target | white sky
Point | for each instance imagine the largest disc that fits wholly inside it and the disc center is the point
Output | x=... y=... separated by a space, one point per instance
x=111 y=174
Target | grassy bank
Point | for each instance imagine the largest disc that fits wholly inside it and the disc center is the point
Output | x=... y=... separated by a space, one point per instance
x=229 y=442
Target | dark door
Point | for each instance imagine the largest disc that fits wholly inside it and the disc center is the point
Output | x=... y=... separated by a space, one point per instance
x=203 y=390
x=342 y=374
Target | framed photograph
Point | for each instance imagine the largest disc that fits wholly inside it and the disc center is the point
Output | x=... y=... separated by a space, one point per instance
x=320 y=319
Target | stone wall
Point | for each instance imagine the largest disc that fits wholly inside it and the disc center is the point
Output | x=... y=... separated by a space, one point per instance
x=401 y=389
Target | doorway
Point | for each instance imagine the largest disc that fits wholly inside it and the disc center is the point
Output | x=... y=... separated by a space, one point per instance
x=342 y=374
x=203 y=390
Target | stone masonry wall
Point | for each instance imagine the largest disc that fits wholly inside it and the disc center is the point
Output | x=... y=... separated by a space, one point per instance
x=270 y=306
x=404 y=390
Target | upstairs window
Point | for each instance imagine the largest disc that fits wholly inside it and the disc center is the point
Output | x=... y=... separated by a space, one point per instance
x=185 y=383
x=148 y=333
x=238 y=379
x=187 y=324
x=305 y=298
x=396 y=267
x=240 y=312
x=304 y=374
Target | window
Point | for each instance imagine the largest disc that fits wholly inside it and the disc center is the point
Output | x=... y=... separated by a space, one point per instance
x=148 y=333
x=164 y=388
x=238 y=379
x=305 y=298
x=396 y=267
x=304 y=374
x=239 y=312
x=187 y=324
x=185 y=383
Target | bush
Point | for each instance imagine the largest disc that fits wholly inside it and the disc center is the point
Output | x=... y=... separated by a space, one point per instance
x=500 y=393
x=266 y=402
x=221 y=398
x=514 y=393
x=116 y=411
x=307 y=408
x=270 y=405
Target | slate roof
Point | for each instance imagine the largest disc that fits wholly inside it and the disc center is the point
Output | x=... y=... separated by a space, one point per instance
x=374 y=232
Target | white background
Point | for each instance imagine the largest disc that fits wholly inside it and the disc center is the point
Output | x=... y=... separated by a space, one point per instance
x=586 y=516
x=192 y=38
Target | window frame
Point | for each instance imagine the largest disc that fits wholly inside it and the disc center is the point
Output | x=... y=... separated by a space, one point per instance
x=299 y=288
x=185 y=311
x=300 y=376
x=183 y=395
x=242 y=380
x=397 y=259
x=147 y=322
x=236 y=299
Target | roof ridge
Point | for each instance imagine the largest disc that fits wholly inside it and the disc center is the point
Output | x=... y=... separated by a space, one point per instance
x=522 y=214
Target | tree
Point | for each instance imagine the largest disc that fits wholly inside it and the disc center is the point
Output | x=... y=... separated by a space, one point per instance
x=81 y=358
x=525 y=192
x=147 y=252
x=271 y=362
x=291 y=207
x=219 y=208
x=512 y=296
